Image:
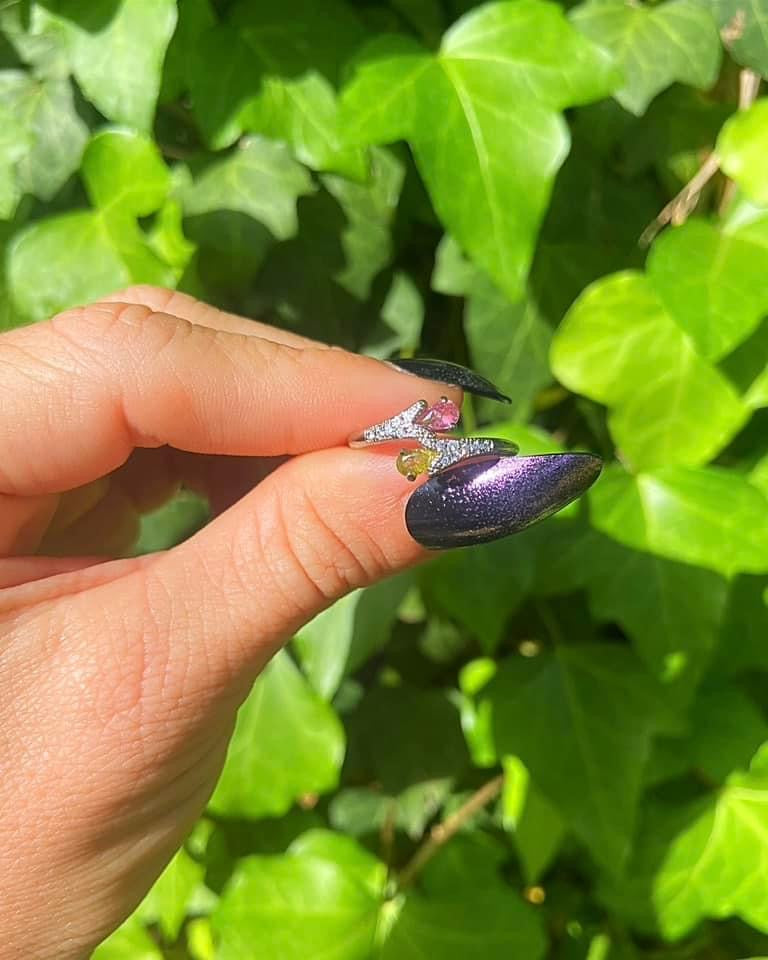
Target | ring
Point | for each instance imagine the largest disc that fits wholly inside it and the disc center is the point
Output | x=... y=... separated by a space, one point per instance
x=425 y=425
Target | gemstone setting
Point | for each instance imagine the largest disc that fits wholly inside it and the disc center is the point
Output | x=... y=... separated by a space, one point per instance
x=445 y=451
x=412 y=463
x=443 y=415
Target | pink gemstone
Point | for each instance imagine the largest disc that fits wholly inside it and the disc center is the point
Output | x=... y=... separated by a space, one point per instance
x=443 y=415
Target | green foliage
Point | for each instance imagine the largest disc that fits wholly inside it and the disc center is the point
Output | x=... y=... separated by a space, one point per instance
x=501 y=75
x=469 y=181
x=287 y=743
x=655 y=46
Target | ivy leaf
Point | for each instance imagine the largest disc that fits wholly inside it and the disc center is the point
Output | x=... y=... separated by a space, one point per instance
x=221 y=82
x=273 y=70
x=195 y=17
x=757 y=395
x=325 y=896
x=727 y=729
x=287 y=742
x=81 y=256
x=124 y=174
x=742 y=147
x=13 y=137
x=293 y=28
x=36 y=36
x=709 y=858
x=344 y=851
x=9 y=317
x=758 y=476
x=41 y=139
x=117 y=59
x=402 y=736
x=246 y=200
x=476 y=713
x=536 y=826
x=710 y=517
x=463 y=909
x=619 y=345
x=480 y=924
x=509 y=343
x=360 y=811
x=341 y=638
x=402 y=316
x=171 y=523
x=742 y=643
x=301 y=904
x=129 y=942
x=679 y=125
x=745 y=29
x=656 y=46
x=501 y=572
x=502 y=74
x=671 y=611
x=724 y=729
x=304 y=113
x=453 y=274
x=167 y=901
x=369 y=209
x=86 y=264
x=581 y=720
x=711 y=282
x=312 y=301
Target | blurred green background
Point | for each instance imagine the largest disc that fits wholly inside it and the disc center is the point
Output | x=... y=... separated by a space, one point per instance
x=551 y=746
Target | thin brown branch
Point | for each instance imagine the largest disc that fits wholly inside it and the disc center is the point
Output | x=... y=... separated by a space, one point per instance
x=387 y=833
x=680 y=206
x=749 y=85
x=442 y=832
x=175 y=152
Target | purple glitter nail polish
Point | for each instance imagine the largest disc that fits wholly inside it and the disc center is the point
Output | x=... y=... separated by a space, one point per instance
x=486 y=499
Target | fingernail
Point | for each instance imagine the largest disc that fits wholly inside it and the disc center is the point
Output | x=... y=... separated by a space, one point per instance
x=453 y=373
x=486 y=499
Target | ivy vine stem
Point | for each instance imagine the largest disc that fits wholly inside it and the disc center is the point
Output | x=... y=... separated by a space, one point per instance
x=442 y=832
x=684 y=202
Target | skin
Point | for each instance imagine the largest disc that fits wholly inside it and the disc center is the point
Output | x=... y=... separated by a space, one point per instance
x=120 y=678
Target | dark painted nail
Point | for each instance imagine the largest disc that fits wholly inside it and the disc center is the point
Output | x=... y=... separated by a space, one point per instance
x=483 y=500
x=452 y=373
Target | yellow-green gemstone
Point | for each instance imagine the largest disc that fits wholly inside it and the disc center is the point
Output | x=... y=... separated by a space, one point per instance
x=412 y=463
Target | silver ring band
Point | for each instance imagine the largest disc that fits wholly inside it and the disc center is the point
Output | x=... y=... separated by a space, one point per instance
x=438 y=452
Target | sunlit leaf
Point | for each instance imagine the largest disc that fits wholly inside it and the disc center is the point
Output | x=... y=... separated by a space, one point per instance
x=502 y=73
x=287 y=743
x=620 y=345
x=655 y=45
x=742 y=146
x=117 y=54
x=41 y=137
x=314 y=901
x=709 y=517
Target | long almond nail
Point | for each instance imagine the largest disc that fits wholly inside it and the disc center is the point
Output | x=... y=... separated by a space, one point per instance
x=452 y=373
x=484 y=500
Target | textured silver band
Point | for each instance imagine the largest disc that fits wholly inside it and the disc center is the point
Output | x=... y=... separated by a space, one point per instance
x=449 y=450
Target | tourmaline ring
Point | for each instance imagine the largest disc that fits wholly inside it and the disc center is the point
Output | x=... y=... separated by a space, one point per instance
x=426 y=425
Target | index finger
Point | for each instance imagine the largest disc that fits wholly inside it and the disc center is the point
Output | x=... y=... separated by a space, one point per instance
x=162 y=300
x=81 y=391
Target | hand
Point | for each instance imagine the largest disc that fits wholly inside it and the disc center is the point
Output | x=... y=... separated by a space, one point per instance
x=120 y=679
